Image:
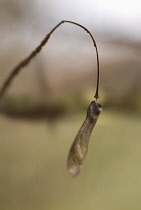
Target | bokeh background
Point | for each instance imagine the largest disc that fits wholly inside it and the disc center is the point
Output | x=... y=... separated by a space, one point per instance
x=46 y=104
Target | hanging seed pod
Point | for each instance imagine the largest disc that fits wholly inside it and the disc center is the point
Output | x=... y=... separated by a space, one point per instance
x=79 y=147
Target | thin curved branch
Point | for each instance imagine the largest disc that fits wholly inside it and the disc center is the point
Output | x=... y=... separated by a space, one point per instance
x=27 y=60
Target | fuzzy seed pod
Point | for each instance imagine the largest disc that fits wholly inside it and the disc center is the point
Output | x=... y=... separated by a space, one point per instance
x=79 y=147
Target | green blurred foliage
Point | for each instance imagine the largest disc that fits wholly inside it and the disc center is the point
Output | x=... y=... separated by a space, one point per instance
x=33 y=164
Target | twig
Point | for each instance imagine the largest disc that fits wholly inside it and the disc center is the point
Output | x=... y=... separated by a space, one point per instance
x=26 y=61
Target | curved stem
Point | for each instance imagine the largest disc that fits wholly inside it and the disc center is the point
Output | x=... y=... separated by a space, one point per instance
x=26 y=61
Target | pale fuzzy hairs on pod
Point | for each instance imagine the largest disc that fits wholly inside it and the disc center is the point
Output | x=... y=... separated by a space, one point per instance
x=79 y=147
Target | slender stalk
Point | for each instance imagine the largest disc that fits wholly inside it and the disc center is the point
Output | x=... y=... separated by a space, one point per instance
x=27 y=60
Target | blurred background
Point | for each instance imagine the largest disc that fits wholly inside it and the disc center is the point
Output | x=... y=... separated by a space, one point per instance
x=46 y=104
